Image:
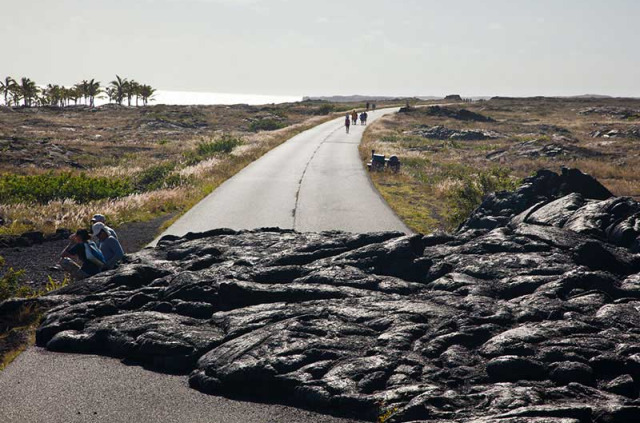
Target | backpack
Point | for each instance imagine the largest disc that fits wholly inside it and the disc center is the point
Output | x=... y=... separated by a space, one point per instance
x=94 y=255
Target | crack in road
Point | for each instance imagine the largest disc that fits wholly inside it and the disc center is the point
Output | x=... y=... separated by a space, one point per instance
x=295 y=207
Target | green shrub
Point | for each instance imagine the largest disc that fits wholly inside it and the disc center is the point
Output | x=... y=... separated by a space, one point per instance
x=58 y=186
x=266 y=125
x=325 y=109
x=154 y=177
x=207 y=149
x=474 y=187
x=225 y=145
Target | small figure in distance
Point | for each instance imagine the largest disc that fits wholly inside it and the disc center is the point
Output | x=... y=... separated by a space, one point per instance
x=347 y=122
x=367 y=105
x=363 y=118
x=100 y=218
x=373 y=106
x=354 y=118
x=79 y=242
x=109 y=245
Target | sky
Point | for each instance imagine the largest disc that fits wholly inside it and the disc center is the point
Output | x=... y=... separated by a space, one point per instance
x=330 y=47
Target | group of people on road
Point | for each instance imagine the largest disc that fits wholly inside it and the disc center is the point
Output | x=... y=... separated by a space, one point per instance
x=83 y=257
x=352 y=119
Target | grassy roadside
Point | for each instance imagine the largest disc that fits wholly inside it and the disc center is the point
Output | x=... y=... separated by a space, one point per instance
x=18 y=328
x=453 y=156
x=165 y=173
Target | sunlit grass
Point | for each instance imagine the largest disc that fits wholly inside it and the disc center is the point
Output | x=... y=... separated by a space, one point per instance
x=441 y=181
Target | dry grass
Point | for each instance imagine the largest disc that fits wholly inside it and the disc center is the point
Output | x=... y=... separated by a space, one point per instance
x=120 y=155
x=433 y=170
x=18 y=332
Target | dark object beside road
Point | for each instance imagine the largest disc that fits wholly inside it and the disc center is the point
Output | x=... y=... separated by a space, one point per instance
x=379 y=162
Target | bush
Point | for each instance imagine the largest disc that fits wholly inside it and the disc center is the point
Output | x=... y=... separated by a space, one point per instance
x=58 y=186
x=266 y=125
x=154 y=177
x=226 y=144
x=207 y=149
x=472 y=189
x=326 y=109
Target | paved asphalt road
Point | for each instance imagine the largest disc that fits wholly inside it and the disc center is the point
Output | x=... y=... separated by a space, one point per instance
x=313 y=182
x=45 y=387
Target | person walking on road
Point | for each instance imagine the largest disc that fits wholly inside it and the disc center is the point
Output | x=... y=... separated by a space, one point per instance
x=354 y=118
x=347 y=122
x=363 y=118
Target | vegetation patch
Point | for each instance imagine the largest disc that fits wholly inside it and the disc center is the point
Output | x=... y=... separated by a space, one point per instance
x=11 y=283
x=442 y=180
x=266 y=125
x=49 y=186
x=466 y=194
x=17 y=332
x=208 y=149
x=17 y=329
x=154 y=177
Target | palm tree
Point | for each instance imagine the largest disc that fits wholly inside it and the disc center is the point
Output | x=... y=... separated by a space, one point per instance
x=130 y=89
x=16 y=95
x=55 y=95
x=6 y=87
x=134 y=88
x=120 y=86
x=93 y=90
x=111 y=93
x=74 y=94
x=29 y=90
x=146 y=92
x=46 y=99
x=82 y=89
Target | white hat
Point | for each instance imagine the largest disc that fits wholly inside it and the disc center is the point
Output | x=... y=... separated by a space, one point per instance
x=97 y=228
x=98 y=218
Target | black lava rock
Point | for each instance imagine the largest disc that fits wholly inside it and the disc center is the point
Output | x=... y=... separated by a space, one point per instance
x=534 y=319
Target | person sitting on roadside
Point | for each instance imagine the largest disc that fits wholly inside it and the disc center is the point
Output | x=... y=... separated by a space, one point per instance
x=100 y=218
x=109 y=245
x=79 y=242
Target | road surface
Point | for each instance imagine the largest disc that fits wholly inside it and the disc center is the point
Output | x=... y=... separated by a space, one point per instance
x=45 y=387
x=313 y=182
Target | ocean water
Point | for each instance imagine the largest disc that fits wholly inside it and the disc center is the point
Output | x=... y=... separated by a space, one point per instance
x=192 y=98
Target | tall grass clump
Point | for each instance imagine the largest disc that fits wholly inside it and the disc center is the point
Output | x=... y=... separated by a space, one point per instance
x=266 y=125
x=50 y=186
x=466 y=195
x=11 y=283
x=154 y=177
x=206 y=149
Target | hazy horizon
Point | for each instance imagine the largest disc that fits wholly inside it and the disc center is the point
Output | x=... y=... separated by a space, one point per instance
x=312 y=48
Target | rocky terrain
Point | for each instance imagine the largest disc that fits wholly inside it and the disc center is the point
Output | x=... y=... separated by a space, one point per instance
x=77 y=137
x=537 y=148
x=443 y=133
x=448 y=112
x=528 y=313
